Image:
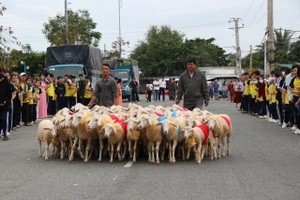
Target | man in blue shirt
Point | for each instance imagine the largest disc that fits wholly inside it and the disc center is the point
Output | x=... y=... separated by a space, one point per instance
x=216 y=89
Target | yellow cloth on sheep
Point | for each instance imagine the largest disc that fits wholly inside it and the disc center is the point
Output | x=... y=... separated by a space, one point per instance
x=191 y=141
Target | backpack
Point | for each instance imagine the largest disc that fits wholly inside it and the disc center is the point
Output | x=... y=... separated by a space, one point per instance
x=147 y=88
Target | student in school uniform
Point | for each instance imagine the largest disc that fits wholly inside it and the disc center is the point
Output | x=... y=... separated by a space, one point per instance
x=73 y=88
x=36 y=95
x=88 y=93
x=51 y=97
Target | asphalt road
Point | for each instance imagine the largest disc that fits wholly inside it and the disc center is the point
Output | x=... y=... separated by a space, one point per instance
x=264 y=164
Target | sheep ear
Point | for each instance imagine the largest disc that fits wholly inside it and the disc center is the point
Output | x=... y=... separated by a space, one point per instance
x=173 y=124
x=102 y=130
x=115 y=130
x=159 y=124
x=62 y=120
x=125 y=122
x=205 y=122
x=48 y=129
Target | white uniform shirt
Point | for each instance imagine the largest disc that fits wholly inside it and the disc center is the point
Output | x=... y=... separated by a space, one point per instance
x=150 y=86
x=162 y=84
x=156 y=83
x=287 y=82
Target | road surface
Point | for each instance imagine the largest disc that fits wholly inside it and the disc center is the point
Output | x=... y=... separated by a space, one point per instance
x=264 y=164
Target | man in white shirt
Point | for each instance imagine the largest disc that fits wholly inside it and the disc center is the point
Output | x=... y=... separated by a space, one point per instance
x=156 y=85
x=149 y=89
x=162 y=88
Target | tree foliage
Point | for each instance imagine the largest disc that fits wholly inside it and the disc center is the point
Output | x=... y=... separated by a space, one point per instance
x=115 y=52
x=35 y=60
x=164 y=52
x=80 y=25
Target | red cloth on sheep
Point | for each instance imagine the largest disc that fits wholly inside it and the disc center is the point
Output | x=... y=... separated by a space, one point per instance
x=158 y=114
x=205 y=130
x=227 y=120
x=114 y=117
x=183 y=109
x=124 y=126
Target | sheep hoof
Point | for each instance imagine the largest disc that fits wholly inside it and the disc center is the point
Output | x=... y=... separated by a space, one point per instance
x=99 y=160
x=157 y=162
x=86 y=161
x=40 y=155
x=46 y=158
x=111 y=161
x=134 y=161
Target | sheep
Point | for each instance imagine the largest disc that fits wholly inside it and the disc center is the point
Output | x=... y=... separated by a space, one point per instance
x=80 y=120
x=133 y=135
x=171 y=130
x=98 y=122
x=197 y=137
x=221 y=126
x=44 y=135
x=153 y=134
x=115 y=135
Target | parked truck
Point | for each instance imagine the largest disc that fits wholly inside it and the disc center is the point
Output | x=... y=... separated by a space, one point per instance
x=124 y=69
x=74 y=60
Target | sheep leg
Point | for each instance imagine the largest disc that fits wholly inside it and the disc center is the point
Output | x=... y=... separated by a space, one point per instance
x=46 y=150
x=125 y=149
x=228 y=145
x=157 y=152
x=100 y=149
x=173 y=151
x=62 y=146
x=188 y=153
x=198 y=153
x=71 y=157
x=170 y=152
x=152 y=153
x=219 y=148
x=183 y=151
x=223 y=145
x=163 y=150
x=53 y=149
x=87 y=149
x=111 y=152
x=149 y=152
x=119 y=151
x=134 y=151
x=79 y=148
x=130 y=148
x=40 y=147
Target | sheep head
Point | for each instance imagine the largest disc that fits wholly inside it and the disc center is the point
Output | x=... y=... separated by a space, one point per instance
x=77 y=119
x=131 y=122
x=109 y=129
x=166 y=126
x=211 y=123
x=94 y=122
x=145 y=121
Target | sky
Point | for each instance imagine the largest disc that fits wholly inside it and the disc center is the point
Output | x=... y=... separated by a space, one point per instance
x=194 y=18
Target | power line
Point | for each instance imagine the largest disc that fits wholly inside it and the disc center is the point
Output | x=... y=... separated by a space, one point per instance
x=256 y=13
x=248 y=10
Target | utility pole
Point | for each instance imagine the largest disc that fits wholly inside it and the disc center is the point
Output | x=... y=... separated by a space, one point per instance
x=250 y=56
x=236 y=29
x=120 y=37
x=265 y=58
x=270 y=40
x=66 y=21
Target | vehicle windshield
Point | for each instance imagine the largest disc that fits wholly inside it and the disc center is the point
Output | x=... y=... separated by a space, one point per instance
x=70 y=70
x=124 y=75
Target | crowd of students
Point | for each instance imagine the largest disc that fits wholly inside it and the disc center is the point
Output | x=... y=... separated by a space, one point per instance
x=41 y=97
x=274 y=97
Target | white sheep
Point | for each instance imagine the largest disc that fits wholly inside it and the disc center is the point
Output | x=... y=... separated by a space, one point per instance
x=153 y=134
x=133 y=135
x=44 y=135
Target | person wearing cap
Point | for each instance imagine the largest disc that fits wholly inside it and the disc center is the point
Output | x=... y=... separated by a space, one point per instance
x=60 y=91
x=88 y=91
x=5 y=99
x=67 y=93
x=193 y=85
x=73 y=88
x=25 y=87
x=51 y=97
x=81 y=89
x=134 y=90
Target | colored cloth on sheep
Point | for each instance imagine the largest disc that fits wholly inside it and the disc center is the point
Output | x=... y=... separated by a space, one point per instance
x=174 y=114
x=114 y=118
x=183 y=109
x=123 y=125
x=159 y=114
x=205 y=131
x=227 y=120
x=162 y=118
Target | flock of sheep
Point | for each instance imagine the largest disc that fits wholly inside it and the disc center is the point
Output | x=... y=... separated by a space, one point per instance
x=119 y=131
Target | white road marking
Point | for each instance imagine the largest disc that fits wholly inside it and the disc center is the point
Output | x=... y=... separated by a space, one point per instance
x=115 y=178
x=128 y=164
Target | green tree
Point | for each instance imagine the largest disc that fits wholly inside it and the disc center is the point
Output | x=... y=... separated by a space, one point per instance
x=161 y=52
x=6 y=39
x=283 y=39
x=116 y=47
x=81 y=29
x=294 y=54
x=35 y=60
